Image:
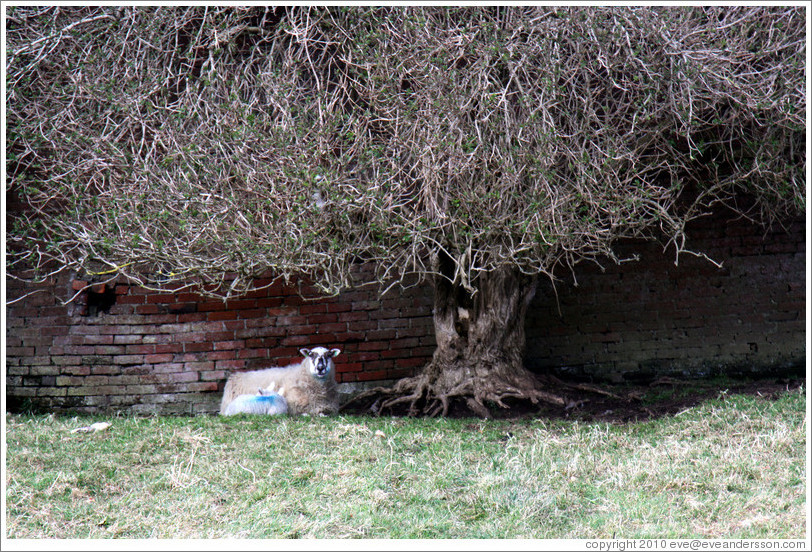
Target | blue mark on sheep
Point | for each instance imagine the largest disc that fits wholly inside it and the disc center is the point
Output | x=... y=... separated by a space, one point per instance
x=271 y=400
x=266 y=403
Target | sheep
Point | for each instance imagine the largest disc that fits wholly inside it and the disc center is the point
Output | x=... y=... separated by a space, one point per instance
x=310 y=386
x=266 y=401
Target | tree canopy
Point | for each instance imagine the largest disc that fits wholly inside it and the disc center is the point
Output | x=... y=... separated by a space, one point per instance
x=196 y=143
x=474 y=147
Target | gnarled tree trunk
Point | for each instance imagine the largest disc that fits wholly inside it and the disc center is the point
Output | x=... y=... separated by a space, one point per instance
x=480 y=342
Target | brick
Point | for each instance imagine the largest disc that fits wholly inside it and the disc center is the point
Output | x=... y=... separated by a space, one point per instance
x=395 y=354
x=198 y=347
x=411 y=362
x=314 y=308
x=129 y=380
x=191 y=357
x=339 y=307
x=219 y=336
x=322 y=318
x=64 y=360
x=54 y=330
x=111 y=349
x=207 y=306
x=168 y=348
x=393 y=323
x=136 y=370
x=269 y=302
x=97 y=359
x=240 y=304
x=140 y=349
x=213 y=375
x=291 y=320
x=220 y=345
x=79 y=349
x=203 y=366
x=128 y=359
x=349 y=337
x=78 y=285
x=373 y=346
x=383 y=335
x=51 y=391
x=20 y=351
x=158 y=358
x=76 y=370
x=222 y=355
x=269 y=328
x=324 y=339
x=191 y=317
x=202 y=387
x=371 y=375
x=182 y=309
x=294 y=300
x=186 y=377
x=131 y=300
x=296 y=340
x=236 y=364
x=69 y=380
x=234 y=325
x=352 y=316
x=44 y=370
x=261 y=343
x=345 y=367
x=252 y=353
x=308 y=329
x=163 y=298
x=223 y=315
x=144 y=389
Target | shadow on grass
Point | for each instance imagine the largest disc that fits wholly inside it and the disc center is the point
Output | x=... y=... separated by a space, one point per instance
x=619 y=403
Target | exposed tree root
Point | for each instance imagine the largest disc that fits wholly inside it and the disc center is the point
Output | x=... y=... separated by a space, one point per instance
x=419 y=396
x=587 y=387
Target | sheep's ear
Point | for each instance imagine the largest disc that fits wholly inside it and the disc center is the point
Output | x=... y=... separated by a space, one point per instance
x=335 y=352
x=305 y=352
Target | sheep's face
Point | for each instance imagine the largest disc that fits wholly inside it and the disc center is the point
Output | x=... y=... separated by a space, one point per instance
x=320 y=361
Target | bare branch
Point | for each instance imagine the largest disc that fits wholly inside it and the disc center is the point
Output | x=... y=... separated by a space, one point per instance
x=193 y=145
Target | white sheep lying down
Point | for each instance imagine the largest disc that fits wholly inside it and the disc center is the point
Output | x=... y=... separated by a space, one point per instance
x=266 y=401
x=309 y=387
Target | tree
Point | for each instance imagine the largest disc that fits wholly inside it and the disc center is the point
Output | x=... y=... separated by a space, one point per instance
x=476 y=148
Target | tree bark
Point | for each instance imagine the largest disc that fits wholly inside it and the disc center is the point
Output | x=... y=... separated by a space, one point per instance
x=480 y=344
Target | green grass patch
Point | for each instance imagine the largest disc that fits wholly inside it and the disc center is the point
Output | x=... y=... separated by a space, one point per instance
x=731 y=467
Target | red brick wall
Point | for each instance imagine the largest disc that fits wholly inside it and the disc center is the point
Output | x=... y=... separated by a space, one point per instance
x=646 y=319
x=170 y=353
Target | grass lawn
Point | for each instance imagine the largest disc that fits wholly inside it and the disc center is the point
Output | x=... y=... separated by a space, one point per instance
x=730 y=467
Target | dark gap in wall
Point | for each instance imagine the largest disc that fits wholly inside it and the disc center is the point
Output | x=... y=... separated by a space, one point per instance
x=100 y=301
